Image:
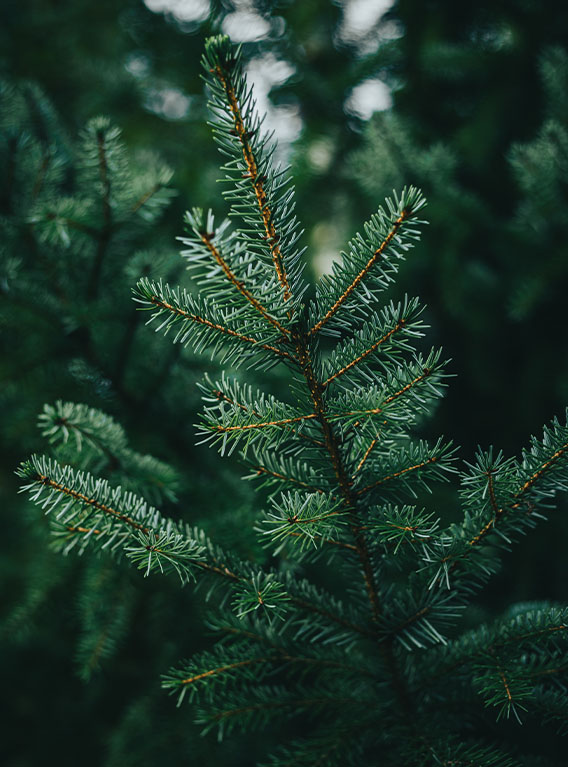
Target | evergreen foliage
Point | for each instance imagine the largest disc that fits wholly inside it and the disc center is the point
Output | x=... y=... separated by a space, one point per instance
x=477 y=121
x=379 y=665
x=61 y=339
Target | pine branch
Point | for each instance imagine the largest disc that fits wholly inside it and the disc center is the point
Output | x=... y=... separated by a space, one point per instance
x=118 y=521
x=366 y=455
x=397 y=474
x=263 y=470
x=370 y=260
x=318 y=515
x=93 y=428
x=79 y=226
x=207 y=240
x=147 y=196
x=363 y=355
x=180 y=308
x=363 y=273
x=340 y=447
x=510 y=495
x=282 y=422
x=223 y=74
x=219 y=395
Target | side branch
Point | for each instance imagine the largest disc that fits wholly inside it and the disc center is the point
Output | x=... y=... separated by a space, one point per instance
x=146 y=197
x=282 y=422
x=222 y=669
x=256 y=180
x=363 y=273
x=227 y=331
x=365 y=456
x=263 y=470
x=90 y=502
x=496 y=511
x=220 y=395
x=365 y=354
x=240 y=286
x=545 y=466
x=425 y=373
x=397 y=474
x=518 y=496
x=388 y=400
x=72 y=224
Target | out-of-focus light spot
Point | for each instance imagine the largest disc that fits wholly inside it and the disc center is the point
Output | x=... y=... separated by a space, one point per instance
x=496 y=37
x=367 y=98
x=360 y=16
x=320 y=154
x=182 y=10
x=263 y=73
x=325 y=244
x=168 y=102
x=245 y=26
x=137 y=64
x=286 y=123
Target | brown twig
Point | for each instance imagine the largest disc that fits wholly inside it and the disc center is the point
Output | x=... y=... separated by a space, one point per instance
x=499 y=512
x=227 y=331
x=362 y=274
x=397 y=474
x=90 y=502
x=256 y=180
x=282 y=422
x=263 y=470
x=364 y=354
x=206 y=239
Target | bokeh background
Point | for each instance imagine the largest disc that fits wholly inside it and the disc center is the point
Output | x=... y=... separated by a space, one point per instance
x=468 y=100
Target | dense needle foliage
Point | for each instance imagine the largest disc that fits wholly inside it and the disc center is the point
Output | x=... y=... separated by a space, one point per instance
x=382 y=662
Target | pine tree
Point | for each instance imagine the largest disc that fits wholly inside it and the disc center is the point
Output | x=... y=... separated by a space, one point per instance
x=62 y=338
x=356 y=629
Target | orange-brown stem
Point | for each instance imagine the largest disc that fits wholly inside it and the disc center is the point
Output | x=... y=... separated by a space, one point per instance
x=499 y=512
x=263 y=470
x=397 y=474
x=246 y=427
x=363 y=273
x=90 y=502
x=364 y=354
x=239 y=285
x=256 y=180
x=227 y=331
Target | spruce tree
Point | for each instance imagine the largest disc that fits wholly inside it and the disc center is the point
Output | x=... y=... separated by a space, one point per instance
x=63 y=340
x=356 y=628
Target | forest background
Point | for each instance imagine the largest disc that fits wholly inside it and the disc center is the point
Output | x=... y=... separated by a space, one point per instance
x=468 y=101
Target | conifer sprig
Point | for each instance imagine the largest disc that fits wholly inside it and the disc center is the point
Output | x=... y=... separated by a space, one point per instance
x=260 y=194
x=346 y=479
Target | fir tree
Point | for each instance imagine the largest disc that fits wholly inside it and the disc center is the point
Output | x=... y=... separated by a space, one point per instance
x=62 y=337
x=381 y=662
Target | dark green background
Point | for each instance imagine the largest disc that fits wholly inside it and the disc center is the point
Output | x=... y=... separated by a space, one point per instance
x=468 y=88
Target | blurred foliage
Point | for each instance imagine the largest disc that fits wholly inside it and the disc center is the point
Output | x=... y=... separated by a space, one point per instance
x=479 y=121
x=476 y=88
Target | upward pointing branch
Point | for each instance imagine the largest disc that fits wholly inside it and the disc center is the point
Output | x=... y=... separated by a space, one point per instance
x=255 y=178
x=499 y=512
x=206 y=239
x=363 y=273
